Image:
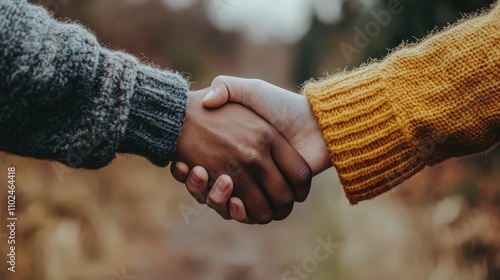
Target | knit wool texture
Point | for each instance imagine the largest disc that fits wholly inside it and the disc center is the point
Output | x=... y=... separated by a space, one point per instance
x=64 y=97
x=421 y=105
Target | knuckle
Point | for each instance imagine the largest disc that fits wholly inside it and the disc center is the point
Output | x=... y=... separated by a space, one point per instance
x=265 y=218
x=266 y=134
x=251 y=157
x=304 y=175
x=233 y=168
x=287 y=199
x=220 y=78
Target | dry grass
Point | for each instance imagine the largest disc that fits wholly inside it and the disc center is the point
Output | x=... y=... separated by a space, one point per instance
x=93 y=225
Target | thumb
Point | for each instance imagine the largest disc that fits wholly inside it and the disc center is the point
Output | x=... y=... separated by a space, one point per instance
x=229 y=89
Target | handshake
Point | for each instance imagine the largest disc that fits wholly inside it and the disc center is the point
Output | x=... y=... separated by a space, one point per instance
x=252 y=158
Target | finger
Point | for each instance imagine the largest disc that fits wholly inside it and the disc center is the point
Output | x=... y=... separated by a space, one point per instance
x=196 y=183
x=238 y=212
x=218 y=94
x=179 y=171
x=221 y=191
x=216 y=97
x=230 y=89
x=293 y=166
x=219 y=195
x=279 y=191
x=258 y=208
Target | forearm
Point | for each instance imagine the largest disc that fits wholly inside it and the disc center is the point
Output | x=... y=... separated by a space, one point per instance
x=63 y=97
x=420 y=106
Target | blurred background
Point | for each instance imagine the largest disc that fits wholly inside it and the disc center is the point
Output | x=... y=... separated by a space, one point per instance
x=130 y=220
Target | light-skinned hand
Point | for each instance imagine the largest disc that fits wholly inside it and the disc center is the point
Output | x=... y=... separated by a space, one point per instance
x=233 y=142
x=288 y=112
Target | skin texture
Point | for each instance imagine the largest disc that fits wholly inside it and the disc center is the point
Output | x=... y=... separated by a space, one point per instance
x=288 y=112
x=234 y=142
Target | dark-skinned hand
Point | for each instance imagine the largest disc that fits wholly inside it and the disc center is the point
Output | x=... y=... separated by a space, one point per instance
x=232 y=140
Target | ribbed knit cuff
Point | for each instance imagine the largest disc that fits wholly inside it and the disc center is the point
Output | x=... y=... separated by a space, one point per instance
x=158 y=108
x=364 y=133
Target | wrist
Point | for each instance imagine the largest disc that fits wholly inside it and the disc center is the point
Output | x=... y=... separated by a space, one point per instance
x=319 y=154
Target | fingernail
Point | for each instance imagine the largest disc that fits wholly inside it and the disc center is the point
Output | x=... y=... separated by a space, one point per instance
x=221 y=186
x=233 y=209
x=209 y=95
x=195 y=179
x=178 y=165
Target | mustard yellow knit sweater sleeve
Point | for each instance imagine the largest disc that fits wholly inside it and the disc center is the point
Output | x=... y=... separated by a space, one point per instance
x=421 y=105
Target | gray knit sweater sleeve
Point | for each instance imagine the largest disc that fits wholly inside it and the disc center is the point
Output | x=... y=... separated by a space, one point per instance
x=64 y=97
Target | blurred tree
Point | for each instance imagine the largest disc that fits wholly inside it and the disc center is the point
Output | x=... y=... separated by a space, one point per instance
x=417 y=19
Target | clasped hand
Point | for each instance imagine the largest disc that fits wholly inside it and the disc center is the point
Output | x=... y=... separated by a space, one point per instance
x=249 y=160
